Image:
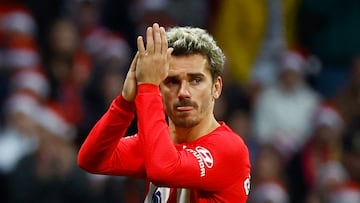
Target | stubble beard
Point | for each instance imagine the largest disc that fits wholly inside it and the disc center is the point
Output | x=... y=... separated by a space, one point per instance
x=190 y=119
x=185 y=121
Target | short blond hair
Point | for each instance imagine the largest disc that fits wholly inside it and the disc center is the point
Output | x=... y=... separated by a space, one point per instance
x=191 y=40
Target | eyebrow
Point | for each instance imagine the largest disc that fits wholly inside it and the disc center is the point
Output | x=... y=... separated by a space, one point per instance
x=196 y=74
x=188 y=74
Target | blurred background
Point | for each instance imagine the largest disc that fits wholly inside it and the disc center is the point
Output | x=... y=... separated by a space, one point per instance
x=291 y=91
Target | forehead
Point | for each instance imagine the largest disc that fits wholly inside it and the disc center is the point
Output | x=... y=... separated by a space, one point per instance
x=195 y=63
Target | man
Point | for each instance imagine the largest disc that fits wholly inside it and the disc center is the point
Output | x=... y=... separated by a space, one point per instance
x=190 y=158
x=283 y=111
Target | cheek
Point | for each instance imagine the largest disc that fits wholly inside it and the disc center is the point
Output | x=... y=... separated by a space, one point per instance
x=167 y=98
x=205 y=99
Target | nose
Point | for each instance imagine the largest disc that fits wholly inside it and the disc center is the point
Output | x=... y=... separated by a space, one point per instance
x=184 y=90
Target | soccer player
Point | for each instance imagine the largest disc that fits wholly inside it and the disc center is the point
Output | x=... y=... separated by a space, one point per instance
x=189 y=157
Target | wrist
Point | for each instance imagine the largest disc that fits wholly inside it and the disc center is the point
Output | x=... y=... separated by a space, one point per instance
x=147 y=87
x=121 y=101
x=140 y=82
x=127 y=97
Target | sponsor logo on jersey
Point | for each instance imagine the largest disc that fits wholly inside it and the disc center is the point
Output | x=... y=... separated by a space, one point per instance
x=204 y=158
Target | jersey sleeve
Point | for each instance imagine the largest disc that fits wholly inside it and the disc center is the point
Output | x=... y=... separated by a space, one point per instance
x=210 y=166
x=106 y=150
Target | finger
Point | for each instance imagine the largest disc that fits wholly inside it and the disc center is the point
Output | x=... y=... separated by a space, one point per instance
x=134 y=62
x=149 y=40
x=168 y=53
x=157 y=38
x=164 y=44
x=140 y=45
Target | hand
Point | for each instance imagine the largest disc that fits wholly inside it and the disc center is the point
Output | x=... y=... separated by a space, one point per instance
x=153 y=62
x=129 y=87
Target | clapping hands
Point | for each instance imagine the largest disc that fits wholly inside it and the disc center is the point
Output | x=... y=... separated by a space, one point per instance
x=151 y=62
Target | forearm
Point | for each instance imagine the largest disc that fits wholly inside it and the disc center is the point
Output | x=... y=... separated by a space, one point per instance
x=159 y=151
x=98 y=150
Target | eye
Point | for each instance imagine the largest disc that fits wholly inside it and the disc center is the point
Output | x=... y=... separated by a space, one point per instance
x=171 y=81
x=196 y=80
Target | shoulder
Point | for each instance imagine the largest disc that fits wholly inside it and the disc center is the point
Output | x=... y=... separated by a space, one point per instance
x=227 y=152
x=224 y=142
x=224 y=134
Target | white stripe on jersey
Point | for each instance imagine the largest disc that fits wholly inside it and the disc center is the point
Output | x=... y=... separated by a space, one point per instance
x=183 y=195
x=161 y=195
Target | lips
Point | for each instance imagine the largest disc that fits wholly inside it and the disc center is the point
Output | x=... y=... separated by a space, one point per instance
x=184 y=108
x=185 y=105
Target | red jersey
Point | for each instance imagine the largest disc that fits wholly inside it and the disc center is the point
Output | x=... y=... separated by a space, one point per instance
x=213 y=168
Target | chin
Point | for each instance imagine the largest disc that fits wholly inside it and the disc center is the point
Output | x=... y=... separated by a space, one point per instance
x=185 y=123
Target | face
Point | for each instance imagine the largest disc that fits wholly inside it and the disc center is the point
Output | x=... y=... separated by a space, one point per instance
x=189 y=92
x=290 y=79
x=64 y=37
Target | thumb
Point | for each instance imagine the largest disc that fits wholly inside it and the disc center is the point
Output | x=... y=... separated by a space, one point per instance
x=134 y=62
x=169 y=52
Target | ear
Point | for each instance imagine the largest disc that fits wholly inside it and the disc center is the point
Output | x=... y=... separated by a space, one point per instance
x=217 y=88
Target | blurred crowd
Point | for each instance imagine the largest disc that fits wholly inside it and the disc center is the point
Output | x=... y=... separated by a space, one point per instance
x=291 y=90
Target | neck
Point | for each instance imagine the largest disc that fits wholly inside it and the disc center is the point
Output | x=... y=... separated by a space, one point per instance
x=184 y=135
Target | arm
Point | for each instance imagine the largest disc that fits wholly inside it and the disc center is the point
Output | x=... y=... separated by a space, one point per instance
x=105 y=150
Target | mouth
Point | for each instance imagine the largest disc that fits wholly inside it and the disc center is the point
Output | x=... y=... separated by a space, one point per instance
x=184 y=108
x=185 y=105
